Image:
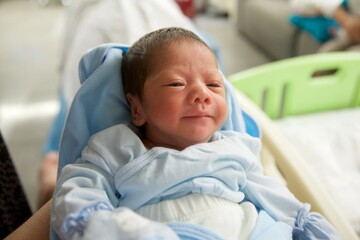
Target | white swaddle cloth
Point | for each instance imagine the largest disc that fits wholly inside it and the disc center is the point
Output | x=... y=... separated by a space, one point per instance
x=226 y=218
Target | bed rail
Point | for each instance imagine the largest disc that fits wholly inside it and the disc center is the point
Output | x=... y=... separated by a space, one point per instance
x=302 y=85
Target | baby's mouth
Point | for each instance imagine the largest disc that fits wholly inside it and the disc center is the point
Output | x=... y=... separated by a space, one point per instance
x=197 y=115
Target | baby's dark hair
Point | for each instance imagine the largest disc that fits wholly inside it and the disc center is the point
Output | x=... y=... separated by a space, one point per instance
x=134 y=66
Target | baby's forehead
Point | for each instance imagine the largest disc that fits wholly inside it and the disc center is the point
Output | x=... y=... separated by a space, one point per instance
x=177 y=47
x=183 y=53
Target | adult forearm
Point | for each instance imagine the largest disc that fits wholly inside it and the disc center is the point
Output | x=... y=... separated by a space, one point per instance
x=341 y=16
x=349 y=22
x=36 y=227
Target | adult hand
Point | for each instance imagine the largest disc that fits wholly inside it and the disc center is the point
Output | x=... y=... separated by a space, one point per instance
x=350 y=23
x=352 y=28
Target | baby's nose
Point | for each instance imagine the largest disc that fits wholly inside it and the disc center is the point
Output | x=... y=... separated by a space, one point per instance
x=201 y=95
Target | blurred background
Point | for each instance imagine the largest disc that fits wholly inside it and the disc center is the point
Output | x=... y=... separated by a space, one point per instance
x=34 y=39
x=42 y=41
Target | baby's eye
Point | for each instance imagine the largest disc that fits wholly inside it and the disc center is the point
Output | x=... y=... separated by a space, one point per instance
x=214 y=85
x=175 y=84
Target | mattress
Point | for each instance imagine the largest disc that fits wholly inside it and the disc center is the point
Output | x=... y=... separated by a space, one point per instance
x=329 y=142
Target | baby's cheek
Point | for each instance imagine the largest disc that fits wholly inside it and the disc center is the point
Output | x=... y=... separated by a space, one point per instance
x=222 y=111
x=224 y=107
x=166 y=113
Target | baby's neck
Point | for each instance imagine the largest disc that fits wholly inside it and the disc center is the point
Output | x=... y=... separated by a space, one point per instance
x=149 y=144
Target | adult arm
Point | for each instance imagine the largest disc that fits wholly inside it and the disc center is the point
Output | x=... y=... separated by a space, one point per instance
x=36 y=227
x=349 y=22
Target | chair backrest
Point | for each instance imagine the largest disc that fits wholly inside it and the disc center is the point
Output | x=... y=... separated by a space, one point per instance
x=304 y=84
x=100 y=103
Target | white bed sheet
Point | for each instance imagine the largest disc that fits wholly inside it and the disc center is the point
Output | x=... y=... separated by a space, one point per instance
x=330 y=143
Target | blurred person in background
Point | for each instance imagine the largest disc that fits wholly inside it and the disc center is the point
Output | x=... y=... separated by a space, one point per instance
x=336 y=23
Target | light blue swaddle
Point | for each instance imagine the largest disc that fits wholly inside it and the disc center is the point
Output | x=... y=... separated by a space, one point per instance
x=100 y=103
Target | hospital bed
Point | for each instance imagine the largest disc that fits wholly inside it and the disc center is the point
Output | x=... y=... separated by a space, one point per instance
x=304 y=89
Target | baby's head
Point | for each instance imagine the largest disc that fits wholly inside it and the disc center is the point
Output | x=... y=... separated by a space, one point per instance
x=175 y=90
x=142 y=53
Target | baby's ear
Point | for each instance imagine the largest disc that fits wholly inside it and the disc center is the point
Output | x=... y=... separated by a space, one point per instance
x=137 y=112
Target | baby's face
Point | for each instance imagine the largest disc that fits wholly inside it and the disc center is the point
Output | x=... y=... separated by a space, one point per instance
x=184 y=96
